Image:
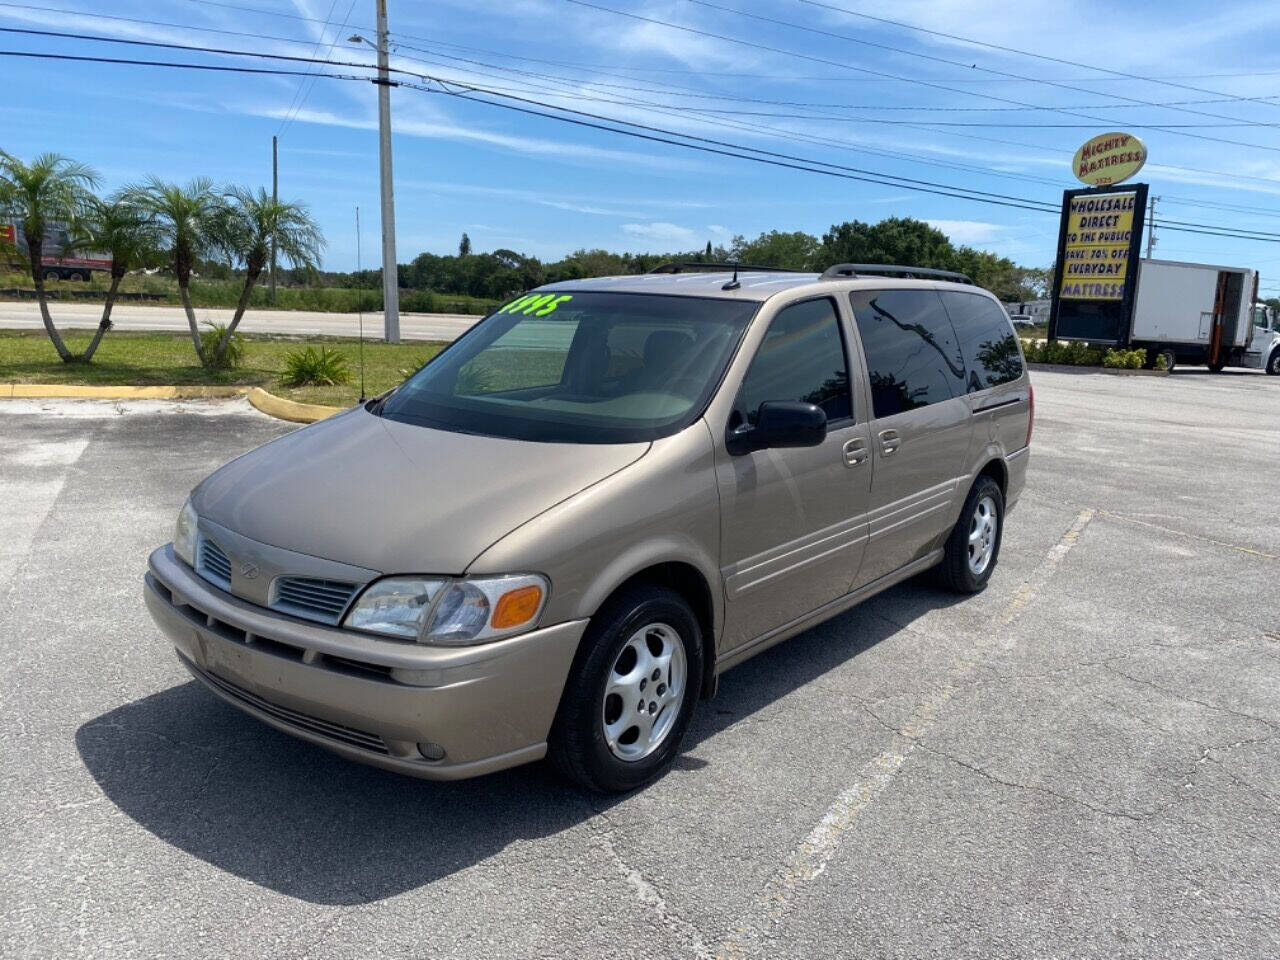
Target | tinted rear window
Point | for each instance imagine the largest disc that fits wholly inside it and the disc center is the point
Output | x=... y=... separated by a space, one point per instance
x=913 y=359
x=986 y=338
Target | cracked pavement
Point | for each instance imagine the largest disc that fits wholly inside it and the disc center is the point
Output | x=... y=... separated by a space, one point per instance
x=1080 y=762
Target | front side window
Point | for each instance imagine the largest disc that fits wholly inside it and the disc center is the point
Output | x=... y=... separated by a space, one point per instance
x=913 y=359
x=801 y=358
x=579 y=368
x=987 y=340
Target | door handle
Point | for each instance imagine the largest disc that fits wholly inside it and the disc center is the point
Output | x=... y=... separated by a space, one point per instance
x=855 y=451
x=890 y=440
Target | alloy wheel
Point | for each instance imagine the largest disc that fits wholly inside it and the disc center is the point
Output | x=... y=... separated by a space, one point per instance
x=644 y=692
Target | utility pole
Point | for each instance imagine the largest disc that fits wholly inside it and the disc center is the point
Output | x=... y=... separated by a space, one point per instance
x=275 y=198
x=390 y=272
x=1151 y=226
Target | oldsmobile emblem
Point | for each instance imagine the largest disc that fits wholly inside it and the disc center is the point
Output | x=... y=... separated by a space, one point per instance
x=249 y=570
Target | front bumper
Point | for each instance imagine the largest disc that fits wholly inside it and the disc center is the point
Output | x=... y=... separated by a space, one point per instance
x=372 y=700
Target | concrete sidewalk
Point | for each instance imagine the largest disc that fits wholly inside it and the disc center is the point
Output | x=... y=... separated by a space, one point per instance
x=129 y=316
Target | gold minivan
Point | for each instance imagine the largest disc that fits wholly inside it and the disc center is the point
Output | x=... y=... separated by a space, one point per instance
x=555 y=536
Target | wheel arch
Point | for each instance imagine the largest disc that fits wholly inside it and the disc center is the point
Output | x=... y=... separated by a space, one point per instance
x=693 y=585
x=997 y=470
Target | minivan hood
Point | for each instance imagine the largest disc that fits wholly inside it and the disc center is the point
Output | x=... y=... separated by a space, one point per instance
x=396 y=497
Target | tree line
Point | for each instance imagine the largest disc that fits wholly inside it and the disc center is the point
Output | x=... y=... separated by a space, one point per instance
x=152 y=223
x=899 y=240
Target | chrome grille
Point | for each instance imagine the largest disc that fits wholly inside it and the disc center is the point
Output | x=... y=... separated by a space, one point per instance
x=293 y=718
x=312 y=598
x=214 y=565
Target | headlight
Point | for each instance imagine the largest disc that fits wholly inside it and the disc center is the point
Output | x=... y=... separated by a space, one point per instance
x=184 y=534
x=394 y=606
x=450 y=612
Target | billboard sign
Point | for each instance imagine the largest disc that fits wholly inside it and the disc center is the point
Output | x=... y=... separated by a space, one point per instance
x=1094 y=250
x=1108 y=158
x=1099 y=244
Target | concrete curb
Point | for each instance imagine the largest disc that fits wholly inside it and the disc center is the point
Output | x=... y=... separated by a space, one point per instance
x=193 y=392
x=1114 y=371
x=291 y=410
x=267 y=403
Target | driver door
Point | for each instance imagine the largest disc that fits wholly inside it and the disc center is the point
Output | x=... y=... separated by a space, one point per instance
x=793 y=520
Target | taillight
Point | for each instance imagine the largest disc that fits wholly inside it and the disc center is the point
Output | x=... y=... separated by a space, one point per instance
x=1031 y=410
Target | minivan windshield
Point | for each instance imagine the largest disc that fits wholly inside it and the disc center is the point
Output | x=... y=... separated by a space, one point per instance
x=574 y=367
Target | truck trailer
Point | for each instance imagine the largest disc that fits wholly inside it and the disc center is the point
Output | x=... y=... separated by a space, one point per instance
x=57 y=262
x=1198 y=313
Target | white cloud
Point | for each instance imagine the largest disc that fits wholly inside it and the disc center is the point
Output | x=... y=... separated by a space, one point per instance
x=660 y=232
x=968 y=231
x=444 y=129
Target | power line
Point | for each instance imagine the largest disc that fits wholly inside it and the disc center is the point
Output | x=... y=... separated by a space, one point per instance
x=302 y=102
x=1119 y=74
x=848 y=66
x=315 y=52
x=847 y=144
x=956 y=63
x=707 y=73
x=685 y=93
x=949 y=132
x=656 y=134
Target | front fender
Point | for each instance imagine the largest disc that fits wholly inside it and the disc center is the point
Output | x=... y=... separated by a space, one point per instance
x=663 y=508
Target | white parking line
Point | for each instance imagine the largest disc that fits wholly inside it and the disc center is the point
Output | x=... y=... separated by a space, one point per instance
x=807 y=862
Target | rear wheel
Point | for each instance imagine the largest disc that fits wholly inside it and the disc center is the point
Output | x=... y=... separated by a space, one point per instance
x=1273 y=365
x=1170 y=358
x=972 y=550
x=631 y=692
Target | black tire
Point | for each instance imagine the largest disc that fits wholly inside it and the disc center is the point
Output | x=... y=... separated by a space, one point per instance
x=954 y=572
x=1170 y=359
x=1273 y=364
x=52 y=275
x=578 y=747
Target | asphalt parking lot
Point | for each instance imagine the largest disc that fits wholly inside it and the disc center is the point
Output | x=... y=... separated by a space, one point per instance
x=1080 y=762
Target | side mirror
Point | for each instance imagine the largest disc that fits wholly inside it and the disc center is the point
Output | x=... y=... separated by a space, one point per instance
x=780 y=423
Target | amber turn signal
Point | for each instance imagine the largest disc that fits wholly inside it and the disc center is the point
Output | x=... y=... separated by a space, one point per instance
x=516 y=607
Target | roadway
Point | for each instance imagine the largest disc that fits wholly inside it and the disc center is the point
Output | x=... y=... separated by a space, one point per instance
x=1079 y=762
x=130 y=316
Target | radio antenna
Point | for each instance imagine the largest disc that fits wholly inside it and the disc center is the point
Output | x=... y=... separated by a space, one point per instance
x=360 y=303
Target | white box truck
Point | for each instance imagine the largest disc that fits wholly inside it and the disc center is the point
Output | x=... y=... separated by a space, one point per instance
x=1198 y=313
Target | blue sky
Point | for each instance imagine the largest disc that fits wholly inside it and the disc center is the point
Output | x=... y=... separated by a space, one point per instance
x=546 y=188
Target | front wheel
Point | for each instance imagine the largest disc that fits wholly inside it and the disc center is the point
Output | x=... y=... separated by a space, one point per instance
x=973 y=548
x=1273 y=365
x=631 y=693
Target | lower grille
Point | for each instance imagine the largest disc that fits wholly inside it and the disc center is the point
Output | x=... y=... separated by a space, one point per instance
x=312 y=598
x=214 y=565
x=301 y=721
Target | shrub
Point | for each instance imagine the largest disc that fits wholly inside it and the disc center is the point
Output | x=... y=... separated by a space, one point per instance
x=1161 y=362
x=1125 y=359
x=310 y=367
x=1075 y=353
x=210 y=337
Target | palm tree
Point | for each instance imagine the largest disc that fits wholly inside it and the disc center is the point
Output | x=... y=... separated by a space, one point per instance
x=119 y=227
x=189 y=221
x=49 y=190
x=253 y=223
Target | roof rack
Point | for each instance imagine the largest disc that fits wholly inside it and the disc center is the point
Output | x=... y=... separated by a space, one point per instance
x=849 y=271
x=695 y=265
